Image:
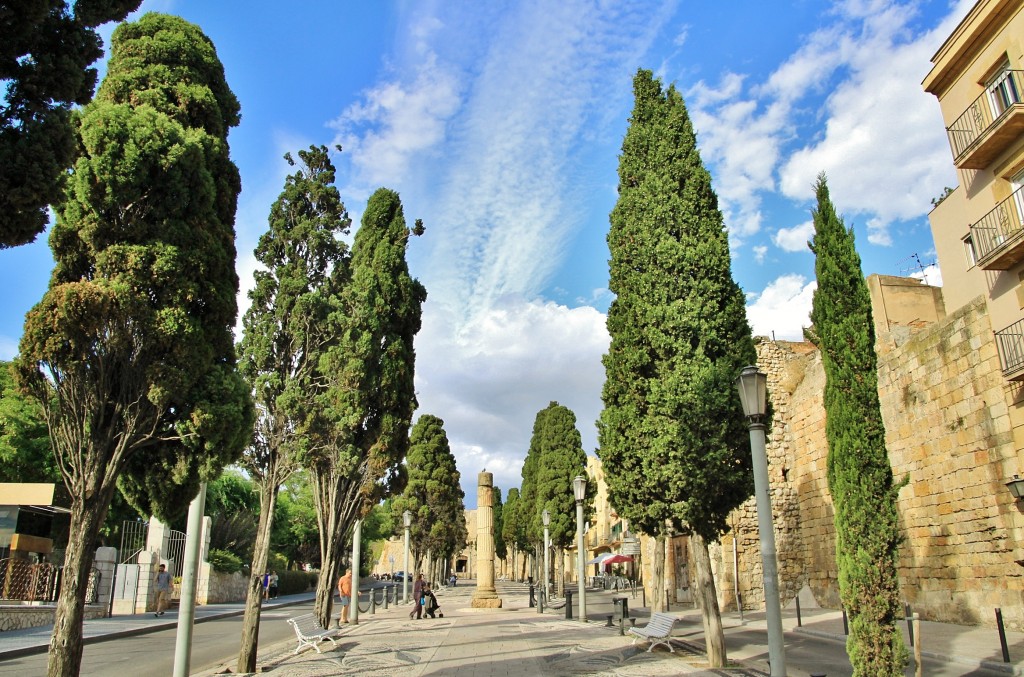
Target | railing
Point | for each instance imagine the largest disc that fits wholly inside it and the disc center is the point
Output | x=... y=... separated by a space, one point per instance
x=985 y=110
x=23 y=581
x=992 y=231
x=1010 y=342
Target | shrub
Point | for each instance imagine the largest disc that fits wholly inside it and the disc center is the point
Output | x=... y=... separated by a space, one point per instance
x=291 y=582
x=225 y=562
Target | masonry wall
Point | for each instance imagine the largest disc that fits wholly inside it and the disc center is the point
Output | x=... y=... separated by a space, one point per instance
x=945 y=405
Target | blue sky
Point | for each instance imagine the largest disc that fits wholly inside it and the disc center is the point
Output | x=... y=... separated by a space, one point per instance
x=500 y=125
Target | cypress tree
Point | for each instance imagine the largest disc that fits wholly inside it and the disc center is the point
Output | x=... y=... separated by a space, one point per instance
x=432 y=493
x=358 y=434
x=45 y=53
x=672 y=437
x=283 y=340
x=860 y=477
x=130 y=350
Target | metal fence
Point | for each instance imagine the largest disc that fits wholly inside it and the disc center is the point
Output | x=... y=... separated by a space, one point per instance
x=24 y=581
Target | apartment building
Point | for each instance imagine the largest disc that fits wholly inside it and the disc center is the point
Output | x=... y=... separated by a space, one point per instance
x=978 y=79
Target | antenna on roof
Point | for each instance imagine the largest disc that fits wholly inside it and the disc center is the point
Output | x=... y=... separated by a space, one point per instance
x=911 y=266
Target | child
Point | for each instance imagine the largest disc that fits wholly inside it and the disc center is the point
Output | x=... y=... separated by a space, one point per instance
x=429 y=601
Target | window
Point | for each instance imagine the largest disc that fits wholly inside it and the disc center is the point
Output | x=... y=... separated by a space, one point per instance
x=972 y=257
x=1002 y=90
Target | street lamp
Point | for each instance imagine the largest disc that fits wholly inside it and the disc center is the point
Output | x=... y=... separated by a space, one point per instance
x=407 y=520
x=579 y=489
x=753 y=386
x=545 y=517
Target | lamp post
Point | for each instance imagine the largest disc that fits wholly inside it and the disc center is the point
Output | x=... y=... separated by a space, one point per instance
x=407 y=520
x=753 y=386
x=545 y=517
x=579 y=489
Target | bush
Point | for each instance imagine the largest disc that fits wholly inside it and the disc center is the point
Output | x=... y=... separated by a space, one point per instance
x=291 y=582
x=225 y=562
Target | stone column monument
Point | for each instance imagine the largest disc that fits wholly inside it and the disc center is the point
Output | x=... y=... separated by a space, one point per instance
x=485 y=596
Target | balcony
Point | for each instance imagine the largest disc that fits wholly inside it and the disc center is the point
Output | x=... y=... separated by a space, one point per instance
x=998 y=236
x=1010 y=342
x=990 y=124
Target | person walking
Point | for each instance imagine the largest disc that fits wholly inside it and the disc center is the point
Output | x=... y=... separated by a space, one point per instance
x=345 y=592
x=417 y=598
x=274 y=579
x=163 y=590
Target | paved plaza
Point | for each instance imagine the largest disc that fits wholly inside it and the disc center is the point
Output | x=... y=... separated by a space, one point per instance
x=518 y=641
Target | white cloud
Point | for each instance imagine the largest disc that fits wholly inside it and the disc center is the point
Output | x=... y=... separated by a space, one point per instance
x=794 y=239
x=759 y=252
x=931 y=275
x=878 y=119
x=783 y=309
x=489 y=378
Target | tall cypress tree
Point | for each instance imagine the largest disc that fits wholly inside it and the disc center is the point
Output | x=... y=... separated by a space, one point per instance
x=359 y=433
x=285 y=335
x=130 y=351
x=432 y=493
x=672 y=437
x=860 y=477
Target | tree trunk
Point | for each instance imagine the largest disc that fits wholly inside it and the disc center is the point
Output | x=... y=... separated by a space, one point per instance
x=658 y=601
x=707 y=599
x=254 y=598
x=87 y=517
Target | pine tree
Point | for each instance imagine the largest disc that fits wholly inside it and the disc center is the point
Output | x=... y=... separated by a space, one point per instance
x=283 y=341
x=860 y=477
x=45 y=53
x=359 y=433
x=672 y=436
x=130 y=351
x=512 y=532
x=500 y=550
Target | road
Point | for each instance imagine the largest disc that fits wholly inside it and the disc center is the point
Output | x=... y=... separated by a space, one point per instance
x=152 y=654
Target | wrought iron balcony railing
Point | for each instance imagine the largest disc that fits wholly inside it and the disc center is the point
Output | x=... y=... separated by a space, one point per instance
x=1010 y=342
x=998 y=230
x=982 y=115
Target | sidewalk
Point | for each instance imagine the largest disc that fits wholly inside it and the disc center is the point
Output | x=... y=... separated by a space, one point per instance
x=37 y=640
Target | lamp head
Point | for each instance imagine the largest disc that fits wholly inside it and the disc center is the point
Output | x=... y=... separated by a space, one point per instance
x=407 y=519
x=753 y=388
x=579 y=488
x=545 y=517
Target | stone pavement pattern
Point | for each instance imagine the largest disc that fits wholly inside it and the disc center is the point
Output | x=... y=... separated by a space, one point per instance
x=510 y=642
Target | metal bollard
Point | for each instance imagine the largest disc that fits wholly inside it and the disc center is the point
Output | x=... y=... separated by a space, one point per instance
x=568 y=604
x=910 y=625
x=1002 y=635
x=533 y=602
x=799 y=621
x=846 y=624
x=540 y=601
x=373 y=601
x=387 y=594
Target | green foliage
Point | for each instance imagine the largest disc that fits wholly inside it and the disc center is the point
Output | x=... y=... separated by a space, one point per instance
x=860 y=478
x=359 y=432
x=25 y=454
x=673 y=441
x=433 y=493
x=558 y=457
x=45 y=53
x=233 y=508
x=500 y=550
x=291 y=582
x=379 y=524
x=130 y=351
x=295 y=533
x=224 y=561
x=513 y=530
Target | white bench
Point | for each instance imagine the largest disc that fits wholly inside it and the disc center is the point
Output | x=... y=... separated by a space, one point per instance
x=309 y=632
x=658 y=631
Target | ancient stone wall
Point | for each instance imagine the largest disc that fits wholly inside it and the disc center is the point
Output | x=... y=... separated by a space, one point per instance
x=945 y=408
